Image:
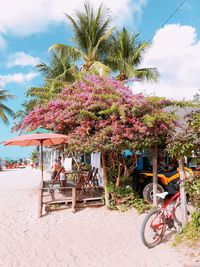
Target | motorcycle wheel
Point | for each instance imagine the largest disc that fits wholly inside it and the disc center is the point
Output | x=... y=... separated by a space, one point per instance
x=148 y=193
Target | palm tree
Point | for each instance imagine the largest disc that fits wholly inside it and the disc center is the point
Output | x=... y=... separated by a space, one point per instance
x=57 y=74
x=4 y=110
x=60 y=72
x=61 y=68
x=125 y=55
x=91 y=31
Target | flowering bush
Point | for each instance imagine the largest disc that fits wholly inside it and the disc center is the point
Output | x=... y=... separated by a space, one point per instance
x=103 y=114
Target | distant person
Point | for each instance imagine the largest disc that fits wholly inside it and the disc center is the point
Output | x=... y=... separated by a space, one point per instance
x=55 y=168
x=62 y=177
x=36 y=164
x=32 y=165
x=60 y=159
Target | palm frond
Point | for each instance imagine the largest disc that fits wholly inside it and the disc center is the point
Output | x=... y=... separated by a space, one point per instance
x=137 y=56
x=44 y=69
x=67 y=50
x=100 y=69
x=4 y=95
x=20 y=114
x=101 y=39
x=149 y=74
x=5 y=110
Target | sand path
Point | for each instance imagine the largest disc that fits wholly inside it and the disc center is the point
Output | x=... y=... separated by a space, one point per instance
x=91 y=237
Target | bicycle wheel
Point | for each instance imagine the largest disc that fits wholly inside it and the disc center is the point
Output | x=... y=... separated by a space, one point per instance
x=153 y=229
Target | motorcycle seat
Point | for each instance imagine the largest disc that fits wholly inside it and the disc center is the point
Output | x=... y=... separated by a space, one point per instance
x=168 y=174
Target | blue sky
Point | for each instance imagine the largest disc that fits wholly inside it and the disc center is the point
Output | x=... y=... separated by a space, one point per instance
x=29 y=28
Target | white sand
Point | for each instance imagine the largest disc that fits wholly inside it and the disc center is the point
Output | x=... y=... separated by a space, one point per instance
x=90 y=237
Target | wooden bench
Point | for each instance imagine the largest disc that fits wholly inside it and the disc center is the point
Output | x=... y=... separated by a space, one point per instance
x=53 y=197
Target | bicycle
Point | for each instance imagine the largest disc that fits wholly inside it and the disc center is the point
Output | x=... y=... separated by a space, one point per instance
x=157 y=221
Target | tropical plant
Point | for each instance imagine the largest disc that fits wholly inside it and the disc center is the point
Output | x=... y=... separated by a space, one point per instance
x=60 y=72
x=181 y=143
x=125 y=54
x=56 y=75
x=101 y=114
x=61 y=69
x=91 y=31
x=4 y=110
x=34 y=154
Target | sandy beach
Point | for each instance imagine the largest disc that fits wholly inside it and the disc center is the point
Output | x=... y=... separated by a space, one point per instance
x=90 y=237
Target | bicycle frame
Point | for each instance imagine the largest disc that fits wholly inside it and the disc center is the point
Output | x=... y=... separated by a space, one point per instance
x=162 y=210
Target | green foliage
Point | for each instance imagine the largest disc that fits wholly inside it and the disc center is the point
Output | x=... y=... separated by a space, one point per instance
x=194 y=120
x=88 y=115
x=185 y=139
x=190 y=232
x=124 y=198
x=193 y=188
x=110 y=110
x=181 y=143
x=148 y=120
x=183 y=104
x=196 y=220
x=109 y=97
x=34 y=155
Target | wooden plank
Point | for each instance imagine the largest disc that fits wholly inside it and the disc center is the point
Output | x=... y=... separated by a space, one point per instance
x=90 y=205
x=63 y=207
x=89 y=198
x=63 y=200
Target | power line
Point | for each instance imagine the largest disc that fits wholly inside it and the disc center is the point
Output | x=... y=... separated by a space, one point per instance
x=171 y=16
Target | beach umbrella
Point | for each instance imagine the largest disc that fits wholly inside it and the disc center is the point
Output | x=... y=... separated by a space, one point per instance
x=38 y=139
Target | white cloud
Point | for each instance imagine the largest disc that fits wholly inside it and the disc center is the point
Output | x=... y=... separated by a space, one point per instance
x=22 y=59
x=25 y=18
x=2 y=42
x=175 y=51
x=17 y=78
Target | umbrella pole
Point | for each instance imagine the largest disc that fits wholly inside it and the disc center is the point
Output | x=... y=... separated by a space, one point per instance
x=41 y=184
x=42 y=167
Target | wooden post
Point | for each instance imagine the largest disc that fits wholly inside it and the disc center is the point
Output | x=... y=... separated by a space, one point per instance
x=118 y=174
x=155 y=177
x=40 y=200
x=73 y=199
x=182 y=193
x=103 y=156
